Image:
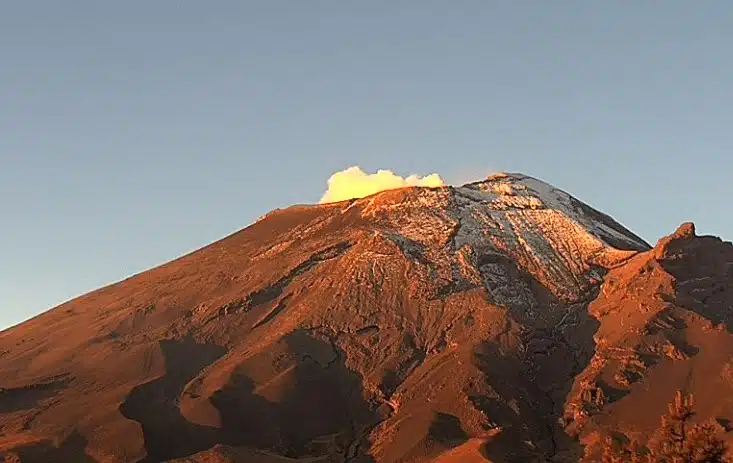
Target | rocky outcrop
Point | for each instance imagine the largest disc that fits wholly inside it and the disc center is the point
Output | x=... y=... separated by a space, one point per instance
x=664 y=326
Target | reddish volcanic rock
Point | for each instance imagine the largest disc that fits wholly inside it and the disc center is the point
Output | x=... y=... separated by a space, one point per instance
x=499 y=321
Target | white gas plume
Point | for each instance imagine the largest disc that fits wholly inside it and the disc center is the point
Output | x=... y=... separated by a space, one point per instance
x=355 y=183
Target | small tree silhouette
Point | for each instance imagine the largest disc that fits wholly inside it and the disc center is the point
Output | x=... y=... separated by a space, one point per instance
x=677 y=440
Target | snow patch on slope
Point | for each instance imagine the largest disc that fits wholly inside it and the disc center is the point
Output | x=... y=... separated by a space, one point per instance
x=562 y=201
x=545 y=231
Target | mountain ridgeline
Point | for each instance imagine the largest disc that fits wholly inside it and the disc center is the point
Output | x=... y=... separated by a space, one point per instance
x=500 y=321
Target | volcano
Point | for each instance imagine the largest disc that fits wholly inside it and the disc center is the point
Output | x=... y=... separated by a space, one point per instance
x=502 y=320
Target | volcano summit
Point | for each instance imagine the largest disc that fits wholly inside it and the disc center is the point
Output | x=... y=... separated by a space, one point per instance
x=503 y=320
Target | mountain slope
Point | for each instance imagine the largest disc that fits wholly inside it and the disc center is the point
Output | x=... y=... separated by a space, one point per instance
x=666 y=319
x=413 y=325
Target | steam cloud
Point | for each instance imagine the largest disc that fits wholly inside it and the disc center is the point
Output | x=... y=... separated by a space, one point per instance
x=355 y=183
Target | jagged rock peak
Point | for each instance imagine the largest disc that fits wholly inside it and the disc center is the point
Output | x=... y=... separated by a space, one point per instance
x=684 y=232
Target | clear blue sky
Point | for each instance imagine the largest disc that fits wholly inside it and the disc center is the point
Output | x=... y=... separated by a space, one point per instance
x=134 y=131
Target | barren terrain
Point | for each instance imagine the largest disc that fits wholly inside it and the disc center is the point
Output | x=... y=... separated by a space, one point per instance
x=500 y=321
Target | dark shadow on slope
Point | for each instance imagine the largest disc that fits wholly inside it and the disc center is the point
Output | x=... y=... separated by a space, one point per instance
x=407 y=358
x=703 y=271
x=608 y=221
x=517 y=407
x=274 y=312
x=154 y=405
x=71 y=450
x=447 y=430
x=726 y=424
x=531 y=384
x=611 y=394
x=27 y=397
x=317 y=407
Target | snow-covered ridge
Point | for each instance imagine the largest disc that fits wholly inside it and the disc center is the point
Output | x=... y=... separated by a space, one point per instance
x=552 y=236
x=518 y=191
